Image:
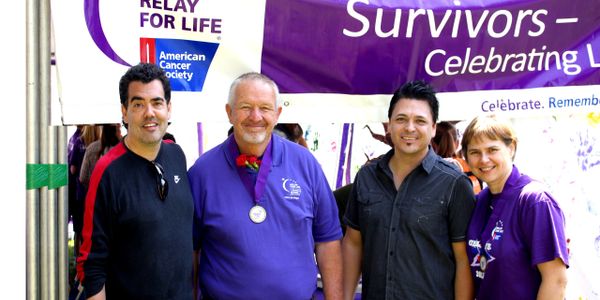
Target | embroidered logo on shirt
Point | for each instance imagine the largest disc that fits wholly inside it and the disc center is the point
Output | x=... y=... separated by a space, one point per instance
x=176 y=178
x=292 y=188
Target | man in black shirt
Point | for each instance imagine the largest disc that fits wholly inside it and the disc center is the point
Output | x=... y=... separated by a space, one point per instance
x=408 y=213
x=137 y=234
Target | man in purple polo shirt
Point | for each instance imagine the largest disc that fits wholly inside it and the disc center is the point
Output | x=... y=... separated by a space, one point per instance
x=263 y=208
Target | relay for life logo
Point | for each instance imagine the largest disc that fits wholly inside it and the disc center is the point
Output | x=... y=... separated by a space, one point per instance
x=186 y=62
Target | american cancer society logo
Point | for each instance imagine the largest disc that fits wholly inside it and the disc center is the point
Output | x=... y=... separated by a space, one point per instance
x=185 y=62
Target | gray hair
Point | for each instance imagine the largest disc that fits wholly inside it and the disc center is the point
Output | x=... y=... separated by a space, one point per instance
x=250 y=77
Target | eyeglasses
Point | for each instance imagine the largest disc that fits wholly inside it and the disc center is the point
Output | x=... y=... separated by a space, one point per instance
x=162 y=185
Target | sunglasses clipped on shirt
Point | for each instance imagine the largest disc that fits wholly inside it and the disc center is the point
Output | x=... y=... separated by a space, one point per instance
x=161 y=183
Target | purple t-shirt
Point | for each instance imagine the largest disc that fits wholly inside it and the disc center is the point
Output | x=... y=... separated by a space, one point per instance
x=274 y=259
x=510 y=234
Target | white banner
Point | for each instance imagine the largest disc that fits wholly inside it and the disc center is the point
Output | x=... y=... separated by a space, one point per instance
x=96 y=40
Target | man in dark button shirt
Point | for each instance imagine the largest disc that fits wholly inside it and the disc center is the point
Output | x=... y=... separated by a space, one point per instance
x=408 y=212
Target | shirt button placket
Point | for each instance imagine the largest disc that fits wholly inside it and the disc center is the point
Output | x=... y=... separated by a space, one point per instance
x=392 y=237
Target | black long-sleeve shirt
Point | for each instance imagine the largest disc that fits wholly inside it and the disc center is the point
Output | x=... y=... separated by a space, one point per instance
x=137 y=245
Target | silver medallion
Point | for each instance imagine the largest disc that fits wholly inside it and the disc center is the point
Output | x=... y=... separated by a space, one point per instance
x=257 y=214
x=483 y=263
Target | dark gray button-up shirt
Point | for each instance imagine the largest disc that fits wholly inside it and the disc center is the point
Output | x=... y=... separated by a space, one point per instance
x=408 y=233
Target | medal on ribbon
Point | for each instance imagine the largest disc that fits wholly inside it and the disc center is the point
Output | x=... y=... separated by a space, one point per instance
x=257 y=213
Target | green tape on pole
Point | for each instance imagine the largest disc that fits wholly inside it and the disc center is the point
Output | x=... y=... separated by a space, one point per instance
x=37 y=176
x=57 y=175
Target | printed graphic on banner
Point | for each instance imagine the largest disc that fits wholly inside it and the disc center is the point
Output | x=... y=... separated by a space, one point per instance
x=185 y=62
x=371 y=47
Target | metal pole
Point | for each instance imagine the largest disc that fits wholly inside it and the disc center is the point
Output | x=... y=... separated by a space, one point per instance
x=52 y=220
x=32 y=156
x=63 y=252
x=47 y=142
x=44 y=211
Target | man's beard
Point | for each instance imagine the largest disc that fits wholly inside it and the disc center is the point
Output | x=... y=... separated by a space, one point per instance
x=254 y=138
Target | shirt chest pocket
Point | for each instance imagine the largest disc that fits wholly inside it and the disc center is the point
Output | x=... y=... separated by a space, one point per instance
x=428 y=214
x=373 y=206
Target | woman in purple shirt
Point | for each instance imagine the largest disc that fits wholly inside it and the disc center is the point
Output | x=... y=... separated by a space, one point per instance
x=516 y=238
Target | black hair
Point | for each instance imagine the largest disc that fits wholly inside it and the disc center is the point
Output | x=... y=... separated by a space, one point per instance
x=418 y=90
x=144 y=72
x=169 y=136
